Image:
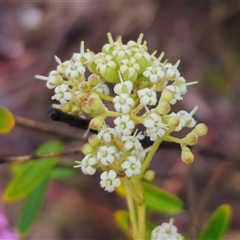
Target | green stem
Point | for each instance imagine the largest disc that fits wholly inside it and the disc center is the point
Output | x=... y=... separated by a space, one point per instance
x=172 y=139
x=141 y=221
x=104 y=96
x=131 y=206
x=150 y=155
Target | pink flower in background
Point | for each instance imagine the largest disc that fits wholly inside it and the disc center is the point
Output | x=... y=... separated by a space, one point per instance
x=5 y=232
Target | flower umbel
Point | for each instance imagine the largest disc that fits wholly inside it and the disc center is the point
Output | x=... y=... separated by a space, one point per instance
x=144 y=88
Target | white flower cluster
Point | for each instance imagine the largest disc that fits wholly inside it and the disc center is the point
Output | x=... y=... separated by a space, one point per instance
x=166 y=231
x=139 y=80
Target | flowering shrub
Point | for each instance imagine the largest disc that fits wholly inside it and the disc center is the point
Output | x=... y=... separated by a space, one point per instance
x=145 y=87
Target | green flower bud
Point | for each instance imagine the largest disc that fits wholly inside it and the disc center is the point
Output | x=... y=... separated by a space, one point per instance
x=94 y=102
x=201 y=129
x=66 y=107
x=96 y=123
x=143 y=60
x=84 y=86
x=87 y=149
x=167 y=95
x=76 y=109
x=93 y=80
x=94 y=141
x=149 y=175
x=86 y=108
x=163 y=108
x=173 y=121
x=187 y=156
x=191 y=139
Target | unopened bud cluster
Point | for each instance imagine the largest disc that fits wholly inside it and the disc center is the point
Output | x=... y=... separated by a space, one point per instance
x=144 y=89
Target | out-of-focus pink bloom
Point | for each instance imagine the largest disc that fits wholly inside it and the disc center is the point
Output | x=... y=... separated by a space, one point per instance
x=5 y=232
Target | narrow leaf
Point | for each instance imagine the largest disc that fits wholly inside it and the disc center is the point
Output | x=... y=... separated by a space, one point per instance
x=31 y=207
x=217 y=225
x=161 y=201
x=59 y=173
x=30 y=174
x=122 y=220
x=7 y=121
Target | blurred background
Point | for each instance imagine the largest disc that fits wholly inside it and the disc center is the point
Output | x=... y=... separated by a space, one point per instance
x=204 y=35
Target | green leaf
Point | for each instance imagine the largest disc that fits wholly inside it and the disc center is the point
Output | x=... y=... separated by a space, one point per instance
x=122 y=220
x=161 y=201
x=30 y=174
x=31 y=207
x=7 y=121
x=59 y=173
x=217 y=225
x=149 y=228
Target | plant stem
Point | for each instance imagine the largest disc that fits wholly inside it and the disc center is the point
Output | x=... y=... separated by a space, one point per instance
x=131 y=206
x=141 y=221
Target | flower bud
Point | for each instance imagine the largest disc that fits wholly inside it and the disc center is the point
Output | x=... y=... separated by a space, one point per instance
x=86 y=108
x=84 y=86
x=94 y=141
x=65 y=107
x=167 y=95
x=187 y=156
x=93 y=80
x=94 y=101
x=191 y=139
x=163 y=108
x=87 y=149
x=143 y=60
x=201 y=129
x=81 y=97
x=96 y=123
x=173 y=122
x=149 y=175
x=76 y=110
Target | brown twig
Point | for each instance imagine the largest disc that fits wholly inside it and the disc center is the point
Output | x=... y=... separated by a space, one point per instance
x=26 y=122
x=38 y=156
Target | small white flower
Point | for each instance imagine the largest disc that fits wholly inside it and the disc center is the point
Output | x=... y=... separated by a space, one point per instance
x=123 y=103
x=53 y=79
x=126 y=85
x=177 y=93
x=147 y=96
x=186 y=119
x=154 y=73
x=129 y=66
x=130 y=142
x=87 y=164
x=62 y=94
x=171 y=71
x=124 y=125
x=139 y=154
x=132 y=166
x=83 y=57
x=103 y=61
x=102 y=88
x=121 y=51
x=61 y=66
x=109 y=181
x=75 y=69
x=107 y=134
x=166 y=231
x=155 y=127
x=106 y=154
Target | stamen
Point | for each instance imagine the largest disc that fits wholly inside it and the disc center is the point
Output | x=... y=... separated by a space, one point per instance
x=41 y=77
x=193 y=111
